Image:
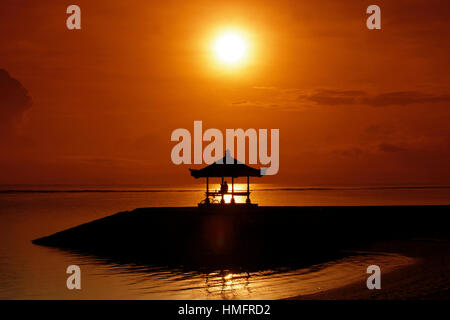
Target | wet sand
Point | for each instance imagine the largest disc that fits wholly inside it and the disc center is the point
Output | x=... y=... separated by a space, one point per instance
x=427 y=278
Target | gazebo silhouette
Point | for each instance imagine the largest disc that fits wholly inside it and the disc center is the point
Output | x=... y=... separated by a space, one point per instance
x=226 y=167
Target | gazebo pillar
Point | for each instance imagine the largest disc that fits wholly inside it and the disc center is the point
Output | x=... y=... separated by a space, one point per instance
x=232 y=189
x=248 y=190
x=207 y=190
x=222 y=201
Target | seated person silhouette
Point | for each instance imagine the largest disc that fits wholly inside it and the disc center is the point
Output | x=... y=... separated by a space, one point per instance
x=224 y=187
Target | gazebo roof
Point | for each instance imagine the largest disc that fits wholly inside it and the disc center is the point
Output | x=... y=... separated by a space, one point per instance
x=226 y=167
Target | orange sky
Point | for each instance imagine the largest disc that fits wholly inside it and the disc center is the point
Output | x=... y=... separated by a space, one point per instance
x=354 y=106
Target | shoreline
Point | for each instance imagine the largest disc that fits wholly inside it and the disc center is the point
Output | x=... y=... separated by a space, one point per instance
x=427 y=278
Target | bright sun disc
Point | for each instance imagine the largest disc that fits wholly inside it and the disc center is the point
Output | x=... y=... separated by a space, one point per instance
x=230 y=48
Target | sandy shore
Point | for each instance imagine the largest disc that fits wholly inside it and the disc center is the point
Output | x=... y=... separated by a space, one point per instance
x=428 y=278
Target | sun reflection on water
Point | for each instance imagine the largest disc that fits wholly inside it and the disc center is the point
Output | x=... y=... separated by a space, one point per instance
x=157 y=283
x=227 y=286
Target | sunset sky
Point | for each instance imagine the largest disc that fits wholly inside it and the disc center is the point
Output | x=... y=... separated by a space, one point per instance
x=97 y=106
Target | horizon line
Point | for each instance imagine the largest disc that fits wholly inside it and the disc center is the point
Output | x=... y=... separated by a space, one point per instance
x=180 y=190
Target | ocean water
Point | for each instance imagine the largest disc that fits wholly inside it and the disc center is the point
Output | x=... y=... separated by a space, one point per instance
x=28 y=271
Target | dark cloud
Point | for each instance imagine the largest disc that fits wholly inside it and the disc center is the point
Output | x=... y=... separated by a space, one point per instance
x=294 y=99
x=352 y=97
x=14 y=99
x=403 y=98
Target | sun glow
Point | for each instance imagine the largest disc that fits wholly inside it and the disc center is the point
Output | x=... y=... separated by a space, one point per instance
x=238 y=187
x=231 y=48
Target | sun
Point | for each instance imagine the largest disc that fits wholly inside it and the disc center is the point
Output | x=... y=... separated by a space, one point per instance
x=230 y=48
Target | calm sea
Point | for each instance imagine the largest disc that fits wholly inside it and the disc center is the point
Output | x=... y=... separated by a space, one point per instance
x=28 y=271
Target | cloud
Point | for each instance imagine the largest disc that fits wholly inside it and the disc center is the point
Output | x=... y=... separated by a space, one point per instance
x=350 y=152
x=268 y=98
x=291 y=99
x=240 y=102
x=14 y=99
x=389 y=147
x=258 y=104
x=356 y=97
x=333 y=97
x=403 y=98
